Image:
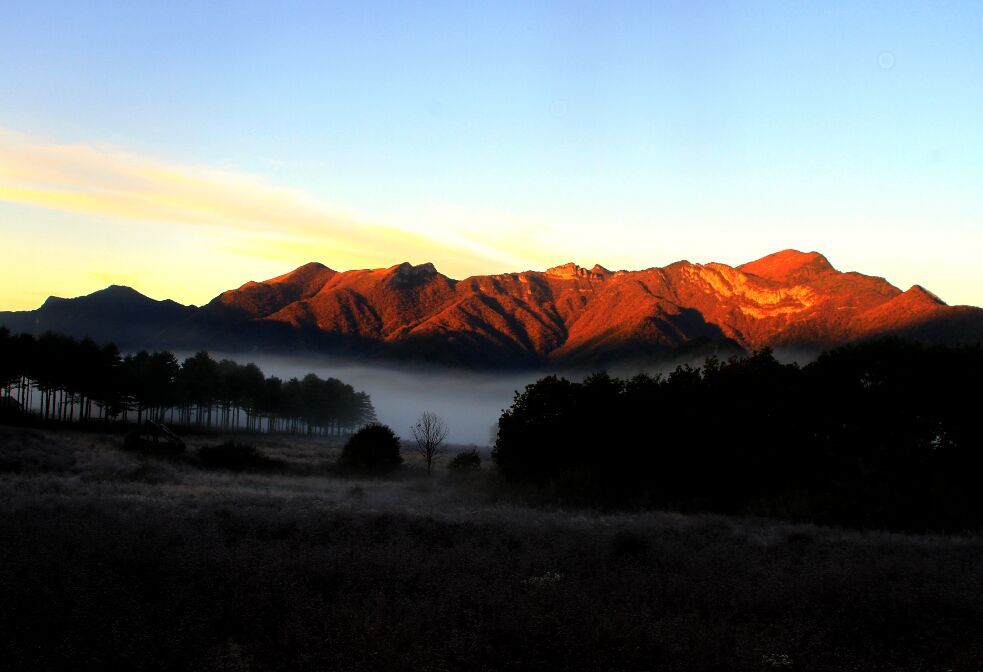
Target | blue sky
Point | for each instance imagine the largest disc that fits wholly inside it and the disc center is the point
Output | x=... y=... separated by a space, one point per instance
x=486 y=138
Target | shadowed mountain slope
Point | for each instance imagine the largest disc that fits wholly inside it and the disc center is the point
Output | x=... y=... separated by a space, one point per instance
x=117 y=313
x=567 y=315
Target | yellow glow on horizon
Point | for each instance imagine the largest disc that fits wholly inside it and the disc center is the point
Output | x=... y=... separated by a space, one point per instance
x=201 y=219
x=76 y=217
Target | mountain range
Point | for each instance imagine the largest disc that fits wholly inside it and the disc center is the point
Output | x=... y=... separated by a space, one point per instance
x=564 y=316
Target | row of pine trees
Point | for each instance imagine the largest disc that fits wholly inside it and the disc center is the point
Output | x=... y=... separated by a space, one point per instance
x=55 y=378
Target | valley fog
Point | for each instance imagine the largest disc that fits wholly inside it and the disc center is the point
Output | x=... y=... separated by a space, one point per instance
x=470 y=402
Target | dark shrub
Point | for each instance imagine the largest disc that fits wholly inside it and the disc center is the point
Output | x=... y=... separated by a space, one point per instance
x=11 y=410
x=469 y=460
x=153 y=438
x=235 y=456
x=629 y=546
x=372 y=448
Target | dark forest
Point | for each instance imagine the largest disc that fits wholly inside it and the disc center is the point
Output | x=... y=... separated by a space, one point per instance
x=57 y=379
x=882 y=434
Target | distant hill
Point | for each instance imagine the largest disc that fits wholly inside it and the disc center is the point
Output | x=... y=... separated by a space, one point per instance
x=564 y=316
x=115 y=313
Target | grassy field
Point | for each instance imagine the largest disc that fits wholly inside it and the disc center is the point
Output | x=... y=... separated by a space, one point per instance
x=114 y=561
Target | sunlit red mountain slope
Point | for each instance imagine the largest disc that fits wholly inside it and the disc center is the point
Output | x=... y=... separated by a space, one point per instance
x=565 y=316
x=569 y=313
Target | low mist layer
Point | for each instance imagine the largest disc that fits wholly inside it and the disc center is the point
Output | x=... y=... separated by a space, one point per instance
x=469 y=402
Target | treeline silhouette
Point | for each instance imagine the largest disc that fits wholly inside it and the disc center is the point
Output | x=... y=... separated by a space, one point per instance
x=883 y=434
x=54 y=378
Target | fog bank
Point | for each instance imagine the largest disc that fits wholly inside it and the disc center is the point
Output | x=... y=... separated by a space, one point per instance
x=470 y=402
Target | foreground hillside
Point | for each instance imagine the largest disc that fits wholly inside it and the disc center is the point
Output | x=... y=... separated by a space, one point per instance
x=565 y=316
x=119 y=562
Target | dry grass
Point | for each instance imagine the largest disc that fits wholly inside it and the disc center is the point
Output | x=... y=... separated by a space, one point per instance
x=117 y=561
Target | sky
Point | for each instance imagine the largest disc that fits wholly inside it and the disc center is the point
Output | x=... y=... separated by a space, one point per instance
x=184 y=148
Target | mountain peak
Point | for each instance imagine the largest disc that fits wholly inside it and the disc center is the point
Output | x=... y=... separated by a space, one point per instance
x=406 y=274
x=570 y=271
x=119 y=290
x=112 y=297
x=260 y=299
x=407 y=270
x=301 y=274
x=110 y=293
x=789 y=265
x=920 y=293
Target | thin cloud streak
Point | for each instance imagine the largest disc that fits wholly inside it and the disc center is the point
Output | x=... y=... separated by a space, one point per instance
x=264 y=220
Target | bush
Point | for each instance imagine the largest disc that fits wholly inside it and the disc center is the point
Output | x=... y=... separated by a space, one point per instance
x=235 y=456
x=372 y=448
x=469 y=460
x=629 y=546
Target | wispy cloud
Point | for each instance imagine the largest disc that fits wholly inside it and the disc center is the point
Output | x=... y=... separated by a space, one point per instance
x=249 y=215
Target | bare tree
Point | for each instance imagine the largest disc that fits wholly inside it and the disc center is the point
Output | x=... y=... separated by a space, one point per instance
x=429 y=433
